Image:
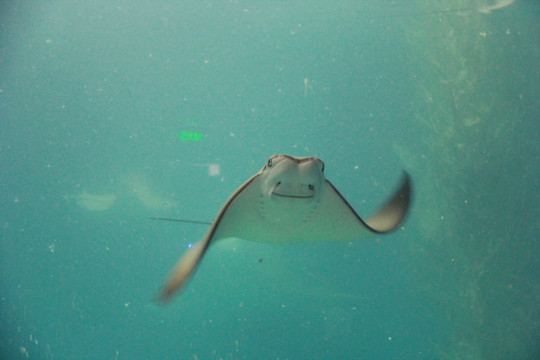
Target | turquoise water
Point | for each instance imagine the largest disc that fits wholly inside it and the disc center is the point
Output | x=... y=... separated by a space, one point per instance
x=112 y=113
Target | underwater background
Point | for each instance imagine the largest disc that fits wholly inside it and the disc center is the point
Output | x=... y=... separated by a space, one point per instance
x=112 y=112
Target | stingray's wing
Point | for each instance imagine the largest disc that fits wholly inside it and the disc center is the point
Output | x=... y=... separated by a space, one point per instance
x=392 y=213
x=338 y=221
x=188 y=262
x=245 y=217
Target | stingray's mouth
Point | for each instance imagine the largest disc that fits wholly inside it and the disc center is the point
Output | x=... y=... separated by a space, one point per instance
x=291 y=196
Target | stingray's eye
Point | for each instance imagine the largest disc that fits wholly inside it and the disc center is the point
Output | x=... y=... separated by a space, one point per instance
x=311 y=187
x=269 y=163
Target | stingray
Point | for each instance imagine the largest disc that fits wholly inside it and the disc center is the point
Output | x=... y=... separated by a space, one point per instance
x=288 y=201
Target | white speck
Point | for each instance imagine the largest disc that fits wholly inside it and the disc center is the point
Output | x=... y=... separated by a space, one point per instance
x=213 y=170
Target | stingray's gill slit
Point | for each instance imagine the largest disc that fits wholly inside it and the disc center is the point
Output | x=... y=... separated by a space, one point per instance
x=254 y=213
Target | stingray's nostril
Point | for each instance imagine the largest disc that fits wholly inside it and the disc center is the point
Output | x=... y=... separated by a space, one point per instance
x=311 y=187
